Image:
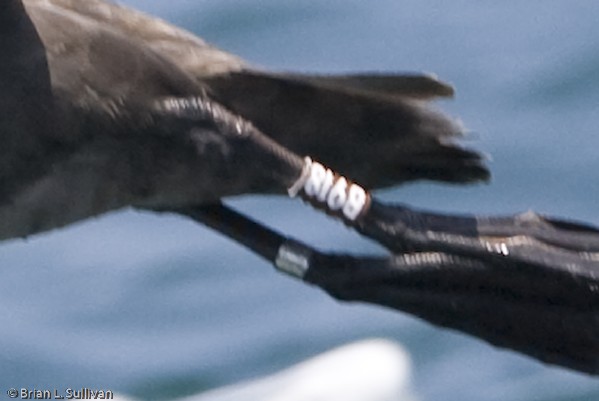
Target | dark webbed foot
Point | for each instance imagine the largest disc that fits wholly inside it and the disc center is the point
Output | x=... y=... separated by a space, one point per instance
x=546 y=306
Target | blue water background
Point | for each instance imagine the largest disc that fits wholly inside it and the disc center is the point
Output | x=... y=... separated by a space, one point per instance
x=158 y=307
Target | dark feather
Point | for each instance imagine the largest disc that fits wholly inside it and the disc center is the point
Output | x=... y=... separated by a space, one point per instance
x=374 y=133
x=80 y=137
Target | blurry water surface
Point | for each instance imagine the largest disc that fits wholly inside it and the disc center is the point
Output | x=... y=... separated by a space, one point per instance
x=158 y=307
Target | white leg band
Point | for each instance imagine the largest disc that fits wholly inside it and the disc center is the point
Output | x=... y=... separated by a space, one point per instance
x=332 y=192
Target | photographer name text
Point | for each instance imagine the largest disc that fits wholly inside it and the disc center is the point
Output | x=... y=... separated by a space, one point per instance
x=55 y=394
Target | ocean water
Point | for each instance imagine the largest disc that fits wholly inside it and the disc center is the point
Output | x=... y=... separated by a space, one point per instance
x=157 y=307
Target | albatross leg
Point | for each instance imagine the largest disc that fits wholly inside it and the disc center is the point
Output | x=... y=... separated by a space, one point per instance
x=526 y=283
x=531 y=307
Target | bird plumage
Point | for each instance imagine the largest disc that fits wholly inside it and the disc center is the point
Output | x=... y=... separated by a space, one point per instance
x=79 y=136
